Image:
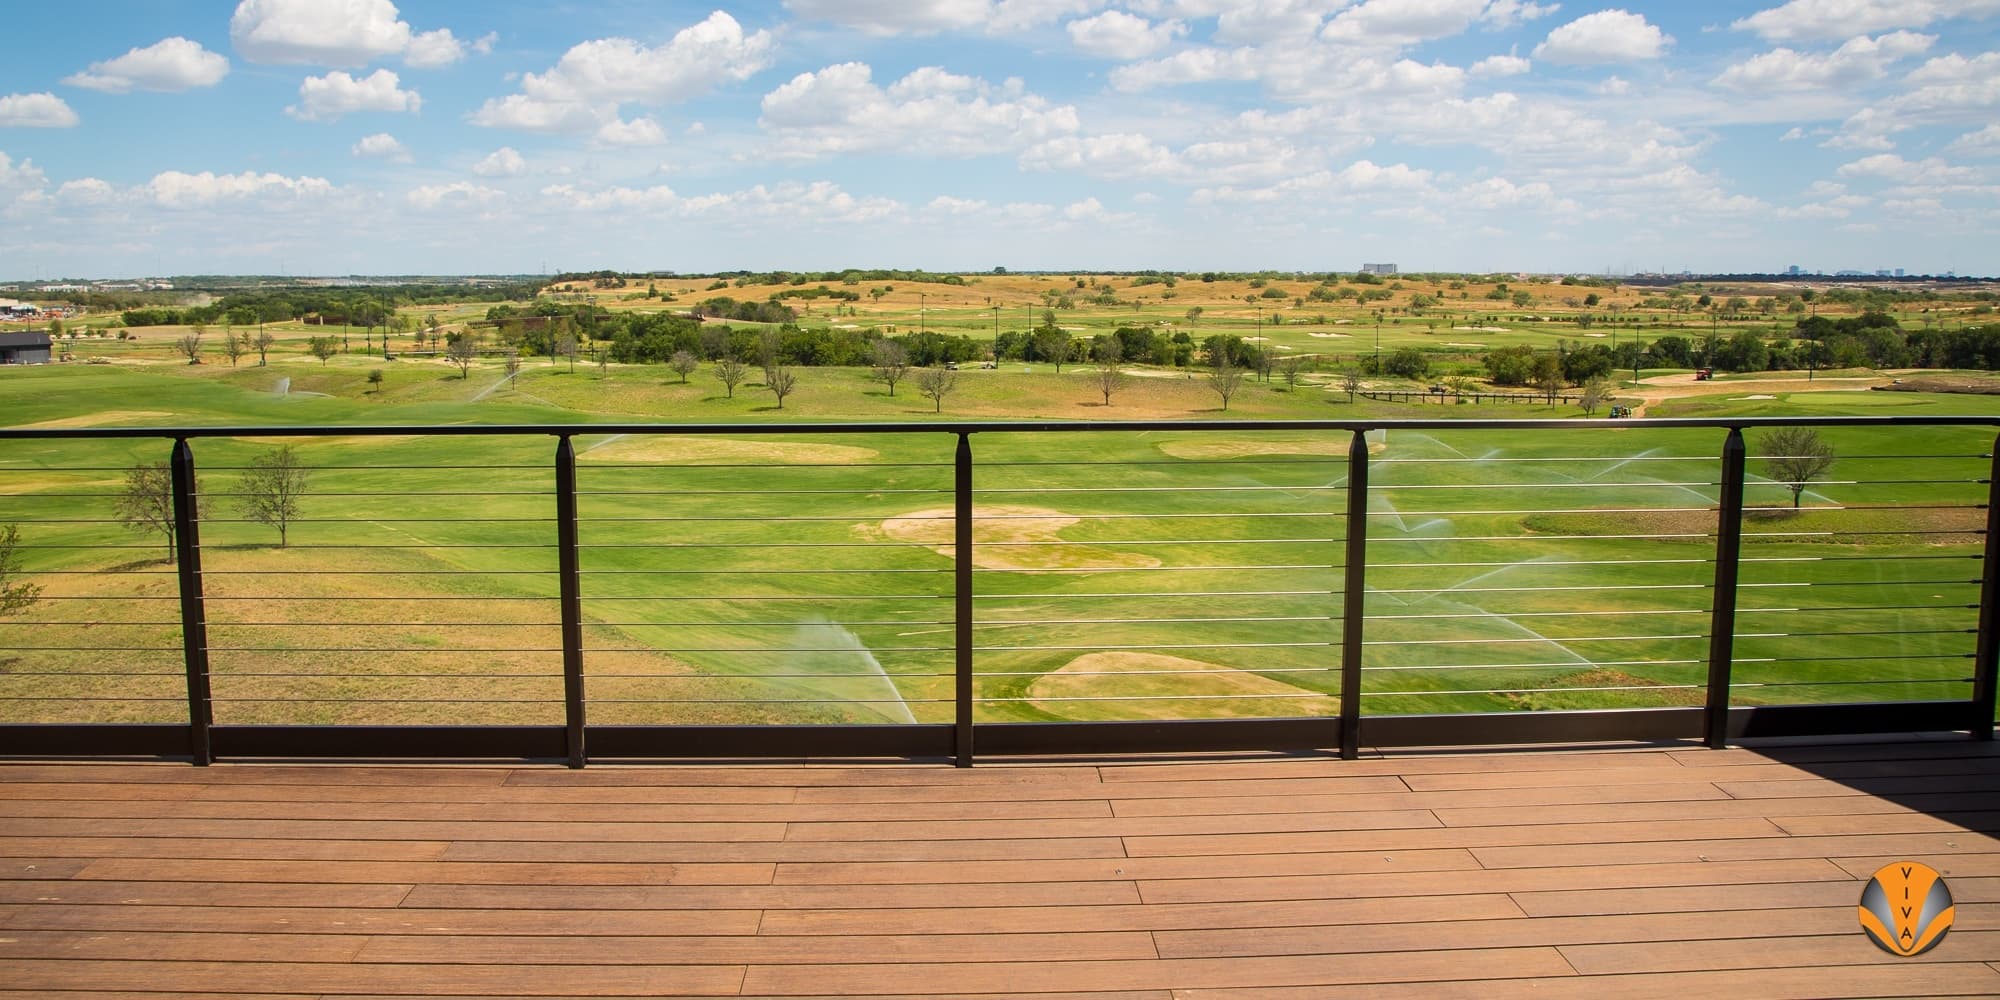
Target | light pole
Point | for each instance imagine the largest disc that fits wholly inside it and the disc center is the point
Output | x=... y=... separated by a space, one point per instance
x=923 y=317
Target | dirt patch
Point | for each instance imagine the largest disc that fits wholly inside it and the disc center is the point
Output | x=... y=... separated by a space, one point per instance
x=1172 y=687
x=1246 y=449
x=1649 y=693
x=342 y=440
x=1006 y=537
x=104 y=419
x=1973 y=386
x=701 y=448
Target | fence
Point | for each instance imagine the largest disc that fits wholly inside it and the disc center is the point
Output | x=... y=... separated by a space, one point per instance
x=952 y=590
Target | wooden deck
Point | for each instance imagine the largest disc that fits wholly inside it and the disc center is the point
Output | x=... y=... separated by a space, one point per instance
x=1654 y=872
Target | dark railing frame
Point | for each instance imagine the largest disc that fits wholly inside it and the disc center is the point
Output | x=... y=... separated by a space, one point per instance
x=1715 y=724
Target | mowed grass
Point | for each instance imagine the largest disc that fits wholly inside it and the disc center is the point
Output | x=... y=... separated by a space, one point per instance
x=780 y=577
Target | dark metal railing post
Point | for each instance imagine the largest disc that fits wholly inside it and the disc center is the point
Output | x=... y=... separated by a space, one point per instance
x=569 y=572
x=194 y=613
x=1986 y=654
x=1722 y=616
x=962 y=591
x=1354 y=591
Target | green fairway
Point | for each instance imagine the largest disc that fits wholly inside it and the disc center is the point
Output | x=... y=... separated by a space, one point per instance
x=796 y=577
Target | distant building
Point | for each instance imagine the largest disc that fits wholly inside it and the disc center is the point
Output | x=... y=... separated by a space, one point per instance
x=1380 y=269
x=1794 y=271
x=24 y=348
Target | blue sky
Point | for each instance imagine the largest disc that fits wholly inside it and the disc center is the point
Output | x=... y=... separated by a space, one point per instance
x=437 y=137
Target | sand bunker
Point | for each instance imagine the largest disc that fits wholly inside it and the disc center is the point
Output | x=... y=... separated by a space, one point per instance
x=1758 y=396
x=1454 y=343
x=1333 y=445
x=1341 y=335
x=935 y=528
x=104 y=419
x=1482 y=329
x=701 y=448
x=1171 y=686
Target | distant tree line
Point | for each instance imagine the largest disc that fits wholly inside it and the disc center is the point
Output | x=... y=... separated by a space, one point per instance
x=354 y=306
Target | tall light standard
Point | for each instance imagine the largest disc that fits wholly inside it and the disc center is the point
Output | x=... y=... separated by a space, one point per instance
x=923 y=316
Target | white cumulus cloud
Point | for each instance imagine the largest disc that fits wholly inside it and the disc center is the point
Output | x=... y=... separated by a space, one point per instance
x=432 y=49
x=324 y=98
x=174 y=189
x=583 y=90
x=841 y=109
x=317 y=32
x=171 y=64
x=896 y=17
x=431 y=197
x=1860 y=60
x=1118 y=35
x=382 y=145
x=1826 y=20
x=1889 y=166
x=1500 y=66
x=42 y=110
x=1608 y=36
x=502 y=162
x=637 y=132
x=1404 y=22
x=1985 y=142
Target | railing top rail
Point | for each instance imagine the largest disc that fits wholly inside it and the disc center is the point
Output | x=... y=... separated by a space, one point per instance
x=981 y=427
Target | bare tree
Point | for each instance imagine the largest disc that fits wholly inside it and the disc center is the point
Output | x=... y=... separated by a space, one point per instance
x=15 y=596
x=189 y=344
x=1350 y=380
x=461 y=351
x=729 y=371
x=1294 y=366
x=147 y=502
x=684 y=363
x=936 y=384
x=1110 y=378
x=322 y=348
x=263 y=343
x=1794 y=457
x=513 y=364
x=1225 y=378
x=235 y=345
x=270 y=491
x=892 y=362
x=1551 y=384
x=780 y=380
x=1595 y=392
x=566 y=349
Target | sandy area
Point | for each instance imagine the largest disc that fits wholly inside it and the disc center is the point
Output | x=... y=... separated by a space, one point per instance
x=934 y=527
x=702 y=448
x=1342 y=336
x=1128 y=673
x=1482 y=329
x=1239 y=448
x=107 y=418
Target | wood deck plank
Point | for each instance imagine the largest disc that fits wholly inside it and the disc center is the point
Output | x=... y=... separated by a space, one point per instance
x=1611 y=873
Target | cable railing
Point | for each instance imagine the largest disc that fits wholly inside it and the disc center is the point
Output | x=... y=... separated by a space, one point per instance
x=604 y=592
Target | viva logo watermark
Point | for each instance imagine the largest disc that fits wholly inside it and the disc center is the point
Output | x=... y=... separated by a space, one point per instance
x=1906 y=908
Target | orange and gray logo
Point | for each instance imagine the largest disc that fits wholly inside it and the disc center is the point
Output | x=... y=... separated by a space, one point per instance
x=1906 y=908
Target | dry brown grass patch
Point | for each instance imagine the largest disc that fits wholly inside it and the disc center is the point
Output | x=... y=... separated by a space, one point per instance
x=1164 y=682
x=1009 y=524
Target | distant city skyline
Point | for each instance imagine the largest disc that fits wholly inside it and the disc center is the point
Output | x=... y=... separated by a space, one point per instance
x=329 y=137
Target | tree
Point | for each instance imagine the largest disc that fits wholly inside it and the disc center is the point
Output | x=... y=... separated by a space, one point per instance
x=322 y=348
x=1794 y=457
x=1550 y=381
x=892 y=362
x=460 y=351
x=1224 y=378
x=1407 y=363
x=936 y=384
x=1350 y=380
x=270 y=491
x=780 y=380
x=146 y=504
x=1109 y=376
x=729 y=371
x=189 y=345
x=235 y=345
x=1292 y=367
x=566 y=349
x=1595 y=392
x=1052 y=343
x=683 y=363
x=15 y=596
x=263 y=343
x=375 y=379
